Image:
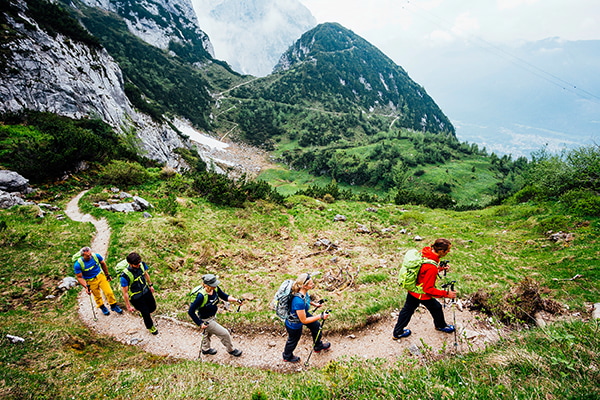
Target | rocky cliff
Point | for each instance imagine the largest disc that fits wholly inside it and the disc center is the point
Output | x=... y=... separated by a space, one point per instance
x=52 y=72
x=160 y=23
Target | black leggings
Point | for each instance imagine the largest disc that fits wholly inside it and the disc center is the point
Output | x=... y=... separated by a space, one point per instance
x=146 y=305
x=294 y=337
x=411 y=304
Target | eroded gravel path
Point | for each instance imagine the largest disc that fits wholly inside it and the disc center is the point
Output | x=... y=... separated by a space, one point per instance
x=181 y=339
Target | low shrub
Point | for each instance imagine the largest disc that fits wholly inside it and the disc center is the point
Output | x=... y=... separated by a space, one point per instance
x=123 y=173
x=581 y=201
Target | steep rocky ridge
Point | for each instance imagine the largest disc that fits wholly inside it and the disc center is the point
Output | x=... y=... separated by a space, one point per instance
x=161 y=23
x=57 y=74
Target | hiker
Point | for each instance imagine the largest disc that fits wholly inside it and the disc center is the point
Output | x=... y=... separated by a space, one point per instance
x=92 y=273
x=427 y=276
x=138 y=290
x=300 y=316
x=203 y=311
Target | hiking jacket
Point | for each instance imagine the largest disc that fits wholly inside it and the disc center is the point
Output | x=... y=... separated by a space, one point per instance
x=428 y=276
x=210 y=308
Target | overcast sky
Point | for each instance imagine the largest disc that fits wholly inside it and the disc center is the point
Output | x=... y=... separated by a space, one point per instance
x=421 y=35
x=438 y=22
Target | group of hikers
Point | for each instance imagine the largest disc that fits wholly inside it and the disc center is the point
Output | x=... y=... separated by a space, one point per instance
x=138 y=294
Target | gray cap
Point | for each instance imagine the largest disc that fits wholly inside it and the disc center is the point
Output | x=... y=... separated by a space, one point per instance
x=210 y=280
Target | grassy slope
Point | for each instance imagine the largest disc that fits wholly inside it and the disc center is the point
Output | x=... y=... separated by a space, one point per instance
x=253 y=249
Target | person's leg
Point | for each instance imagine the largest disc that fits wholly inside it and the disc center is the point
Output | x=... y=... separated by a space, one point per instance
x=316 y=333
x=205 y=345
x=95 y=289
x=291 y=343
x=219 y=331
x=143 y=304
x=410 y=305
x=105 y=287
x=437 y=312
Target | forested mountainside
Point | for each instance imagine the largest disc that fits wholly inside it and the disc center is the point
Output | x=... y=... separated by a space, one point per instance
x=333 y=66
x=336 y=107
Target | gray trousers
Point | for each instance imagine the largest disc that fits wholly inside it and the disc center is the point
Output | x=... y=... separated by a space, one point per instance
x=214 y=328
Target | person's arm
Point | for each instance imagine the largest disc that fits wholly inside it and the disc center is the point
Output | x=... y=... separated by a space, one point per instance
x=232 y=299
x=105 y=269
x=82 y=282
x=192 y=310
x=148 y=281
x=125 y=290
x=307 y=320
x=428 y=279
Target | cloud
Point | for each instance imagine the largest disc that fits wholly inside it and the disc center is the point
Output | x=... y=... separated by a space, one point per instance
x=465 y=24
x=512 y=4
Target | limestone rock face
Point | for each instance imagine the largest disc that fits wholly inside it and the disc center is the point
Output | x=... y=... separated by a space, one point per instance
x=56 y=74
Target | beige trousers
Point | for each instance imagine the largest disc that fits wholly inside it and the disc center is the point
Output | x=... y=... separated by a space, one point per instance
x=214 y=328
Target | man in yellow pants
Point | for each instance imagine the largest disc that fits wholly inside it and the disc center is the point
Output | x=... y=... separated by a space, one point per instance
x=92 y=273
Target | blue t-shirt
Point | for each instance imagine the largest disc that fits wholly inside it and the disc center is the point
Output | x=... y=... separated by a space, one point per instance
x=298 y=303
x=91 y=268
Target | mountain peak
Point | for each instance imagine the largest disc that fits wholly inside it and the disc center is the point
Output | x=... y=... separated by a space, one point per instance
x=341 y=68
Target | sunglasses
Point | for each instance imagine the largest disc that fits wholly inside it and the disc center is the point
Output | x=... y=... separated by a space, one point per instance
x=307 y=279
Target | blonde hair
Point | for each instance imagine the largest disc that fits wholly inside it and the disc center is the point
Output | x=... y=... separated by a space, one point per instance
x=300 y=281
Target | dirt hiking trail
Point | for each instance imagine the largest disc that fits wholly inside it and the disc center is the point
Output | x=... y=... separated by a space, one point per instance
x=181 y=339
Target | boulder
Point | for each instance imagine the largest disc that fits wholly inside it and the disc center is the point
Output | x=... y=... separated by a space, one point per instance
x=7 y=200
x=67 y=283
x=11 y=181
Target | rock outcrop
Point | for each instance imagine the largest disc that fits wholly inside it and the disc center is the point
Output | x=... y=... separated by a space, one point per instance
x=54 y=73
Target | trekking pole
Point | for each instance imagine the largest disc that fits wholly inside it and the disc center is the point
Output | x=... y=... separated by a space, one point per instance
x=316 y=340
x=240 y=301
x=453 y=305
x=93 y=307
x=320 y=302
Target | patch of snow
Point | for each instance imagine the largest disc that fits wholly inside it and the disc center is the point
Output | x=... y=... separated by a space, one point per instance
x=199 y=137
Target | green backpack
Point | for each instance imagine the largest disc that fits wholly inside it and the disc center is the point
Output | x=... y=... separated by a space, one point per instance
x=121 y=266
x=409 y=271
x=194 y=293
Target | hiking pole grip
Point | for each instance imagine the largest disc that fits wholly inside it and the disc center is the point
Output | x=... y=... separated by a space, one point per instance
x=320 y=302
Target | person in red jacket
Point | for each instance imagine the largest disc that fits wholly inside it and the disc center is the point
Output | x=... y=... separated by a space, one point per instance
x=427 y=276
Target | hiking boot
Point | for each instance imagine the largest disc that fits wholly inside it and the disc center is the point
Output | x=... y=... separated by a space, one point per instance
x=447 y=329
x=153 y=330
x=104 y=310
x=115 y=307
x=322 y=347
x=211 y=352
x=236 y=353
x=291 y=359
x=405 y=333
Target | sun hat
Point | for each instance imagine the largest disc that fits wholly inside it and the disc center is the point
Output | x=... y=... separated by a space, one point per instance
x=210 y=280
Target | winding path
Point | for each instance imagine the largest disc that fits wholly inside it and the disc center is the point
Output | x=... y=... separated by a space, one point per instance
x=181 y=339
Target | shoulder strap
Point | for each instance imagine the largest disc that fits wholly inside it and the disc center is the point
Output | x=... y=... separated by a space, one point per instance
x=82 y=264
x=128 y=275
x=202 y=291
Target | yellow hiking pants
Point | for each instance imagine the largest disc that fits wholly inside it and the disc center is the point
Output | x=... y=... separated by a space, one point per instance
x=101 y=283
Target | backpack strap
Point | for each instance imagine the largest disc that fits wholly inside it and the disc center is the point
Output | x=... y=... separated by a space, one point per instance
x=82 y=263
x=202 y=291
x=131 y=279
